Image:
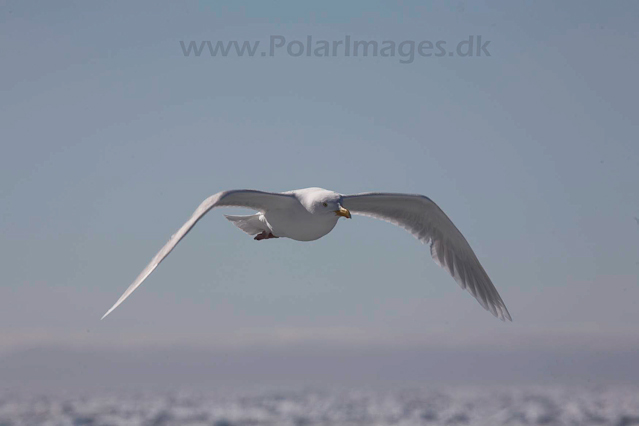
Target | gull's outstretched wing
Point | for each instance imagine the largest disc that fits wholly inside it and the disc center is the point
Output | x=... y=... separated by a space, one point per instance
x=427 y=222
x=256 y=200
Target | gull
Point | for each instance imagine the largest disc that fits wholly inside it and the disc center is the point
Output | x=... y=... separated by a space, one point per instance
x=309 y=214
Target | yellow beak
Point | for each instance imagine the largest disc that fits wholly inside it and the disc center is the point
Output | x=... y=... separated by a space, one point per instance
x=343 y=212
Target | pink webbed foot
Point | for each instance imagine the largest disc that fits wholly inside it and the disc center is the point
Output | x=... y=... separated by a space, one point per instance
x=264 y=236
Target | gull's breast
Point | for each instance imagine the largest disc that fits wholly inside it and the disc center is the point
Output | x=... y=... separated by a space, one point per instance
x=299 y=224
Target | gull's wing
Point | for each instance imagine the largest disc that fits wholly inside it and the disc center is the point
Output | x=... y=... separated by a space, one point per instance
x=428 y=223
x=256 y=200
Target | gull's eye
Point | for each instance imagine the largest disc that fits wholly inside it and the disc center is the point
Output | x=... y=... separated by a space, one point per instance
x=325 y=204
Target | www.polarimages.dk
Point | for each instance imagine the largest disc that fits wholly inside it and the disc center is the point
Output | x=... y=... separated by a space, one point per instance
x=278 y=45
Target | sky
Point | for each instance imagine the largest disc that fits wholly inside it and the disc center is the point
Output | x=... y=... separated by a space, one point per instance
x=112 y=135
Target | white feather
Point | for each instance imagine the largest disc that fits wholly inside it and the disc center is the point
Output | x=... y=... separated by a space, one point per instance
x=420 y=216
x=256 y=200
x=251 y=224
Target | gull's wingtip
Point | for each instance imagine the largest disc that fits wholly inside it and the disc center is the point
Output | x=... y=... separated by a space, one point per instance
x=505 y=317
x=500 y=313
x=105 y=315
x=110 y=310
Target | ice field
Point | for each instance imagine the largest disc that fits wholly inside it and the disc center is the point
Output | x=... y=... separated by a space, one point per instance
x=544 y=405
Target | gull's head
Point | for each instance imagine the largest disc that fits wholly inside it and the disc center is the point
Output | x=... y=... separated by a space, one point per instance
x=330 y=206
x=321 y=202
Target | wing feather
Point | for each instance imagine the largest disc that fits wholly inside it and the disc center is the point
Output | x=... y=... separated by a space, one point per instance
x=256 y=200
x=420 y=216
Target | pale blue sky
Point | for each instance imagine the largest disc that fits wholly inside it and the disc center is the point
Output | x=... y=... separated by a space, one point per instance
x=111 y=138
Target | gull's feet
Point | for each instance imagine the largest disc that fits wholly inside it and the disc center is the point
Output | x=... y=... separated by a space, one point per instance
x=264 y=236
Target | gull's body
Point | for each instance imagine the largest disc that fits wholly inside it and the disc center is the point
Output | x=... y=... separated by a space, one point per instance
x=295 y=218
x=309 y=214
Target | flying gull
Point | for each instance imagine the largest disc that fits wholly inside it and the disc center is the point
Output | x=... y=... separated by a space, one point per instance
x=309 y=214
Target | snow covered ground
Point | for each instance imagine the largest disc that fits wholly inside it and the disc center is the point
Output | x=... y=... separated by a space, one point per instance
x=611 y=405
